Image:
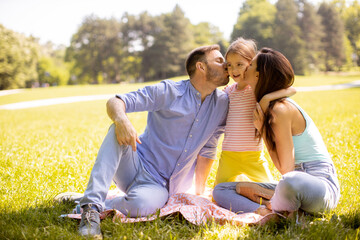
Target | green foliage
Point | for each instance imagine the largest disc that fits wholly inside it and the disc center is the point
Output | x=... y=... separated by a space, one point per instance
x=47 y=150
x=333 y=55
x=207 y=34
x=52 y=74
x=312 y=32
x=166 y=57
x=287 y=35
x=256 y=21
x=97 y=51
x=18 y=59
x=351 y=16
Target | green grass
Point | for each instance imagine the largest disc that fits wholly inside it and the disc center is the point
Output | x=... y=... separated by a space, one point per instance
x=47 y=150
x=326 y=79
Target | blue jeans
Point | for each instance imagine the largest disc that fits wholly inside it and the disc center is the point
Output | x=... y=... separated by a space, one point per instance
x=120 y=164
x=312 y=187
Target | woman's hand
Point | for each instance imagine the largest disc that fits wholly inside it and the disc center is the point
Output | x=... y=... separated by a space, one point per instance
x=258 y=117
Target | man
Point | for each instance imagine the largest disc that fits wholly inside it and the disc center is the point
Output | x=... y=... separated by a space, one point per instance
x=185 y=120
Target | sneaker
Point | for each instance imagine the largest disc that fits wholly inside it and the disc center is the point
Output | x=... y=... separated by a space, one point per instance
x=68 y=197
x=90 y=223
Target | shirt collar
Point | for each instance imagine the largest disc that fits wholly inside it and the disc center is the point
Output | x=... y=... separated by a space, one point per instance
x=196 y=92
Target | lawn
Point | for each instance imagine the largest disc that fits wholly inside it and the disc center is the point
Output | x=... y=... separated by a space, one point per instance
x=47 y=150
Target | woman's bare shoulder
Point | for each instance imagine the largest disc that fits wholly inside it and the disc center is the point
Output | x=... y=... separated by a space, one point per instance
x=283 y=110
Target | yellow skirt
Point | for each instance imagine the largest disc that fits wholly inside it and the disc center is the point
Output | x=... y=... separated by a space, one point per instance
x=243 y=166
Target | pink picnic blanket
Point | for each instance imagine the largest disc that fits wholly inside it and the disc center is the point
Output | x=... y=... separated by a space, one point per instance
x=195 y=209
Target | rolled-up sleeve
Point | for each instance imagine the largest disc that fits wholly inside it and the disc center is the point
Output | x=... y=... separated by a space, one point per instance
x=149 y=98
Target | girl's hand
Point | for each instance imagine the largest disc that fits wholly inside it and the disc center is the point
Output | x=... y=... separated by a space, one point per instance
x=265 y=102
x=258 y=117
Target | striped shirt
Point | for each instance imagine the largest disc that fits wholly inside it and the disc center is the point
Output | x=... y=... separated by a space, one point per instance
x=240 y=130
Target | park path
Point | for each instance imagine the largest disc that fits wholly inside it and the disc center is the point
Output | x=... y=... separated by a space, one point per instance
x=62 y=100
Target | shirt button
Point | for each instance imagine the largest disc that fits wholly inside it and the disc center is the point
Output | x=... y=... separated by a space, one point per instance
x=178 y=164
x=197 y=120
x=198 y=94
x=190 y=135
x=199 y=104
x=185 y=150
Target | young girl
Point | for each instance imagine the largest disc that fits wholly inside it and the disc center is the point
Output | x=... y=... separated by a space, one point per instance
x=242 y=157
x=309 y=180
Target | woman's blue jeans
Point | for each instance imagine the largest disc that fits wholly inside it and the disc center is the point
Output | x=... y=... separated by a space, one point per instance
x=312 y=186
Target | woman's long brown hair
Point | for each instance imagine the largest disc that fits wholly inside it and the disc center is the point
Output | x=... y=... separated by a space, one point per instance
x=275 y=73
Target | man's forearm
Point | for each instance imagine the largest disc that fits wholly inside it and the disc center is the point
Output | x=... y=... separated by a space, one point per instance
x=116 y=109
x=202 y=171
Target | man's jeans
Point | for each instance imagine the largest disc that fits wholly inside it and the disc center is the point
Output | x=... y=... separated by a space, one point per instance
x=122 y=165
x=312 y=187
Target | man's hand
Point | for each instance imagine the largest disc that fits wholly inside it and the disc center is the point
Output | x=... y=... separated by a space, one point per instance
x=126 y=133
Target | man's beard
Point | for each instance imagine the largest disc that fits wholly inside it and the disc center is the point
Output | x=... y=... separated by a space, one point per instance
x=215 y=77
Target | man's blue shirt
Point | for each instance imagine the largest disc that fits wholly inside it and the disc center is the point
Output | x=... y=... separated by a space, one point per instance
x=179 y=127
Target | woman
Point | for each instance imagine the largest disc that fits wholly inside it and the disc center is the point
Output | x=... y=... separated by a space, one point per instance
x=309 y=180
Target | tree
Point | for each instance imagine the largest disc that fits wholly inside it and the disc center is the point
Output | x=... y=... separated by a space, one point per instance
x=138 y=34
x=351 y=17
x=18 y=59
x=333 y=40
x=312 y=33
x=256 y=21
x=166 y=57
x=287 y=34
x=51 y=67
x=207 y=34
x=97 y=51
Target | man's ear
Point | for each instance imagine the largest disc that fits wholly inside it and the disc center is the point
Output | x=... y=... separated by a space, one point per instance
x=200 y=66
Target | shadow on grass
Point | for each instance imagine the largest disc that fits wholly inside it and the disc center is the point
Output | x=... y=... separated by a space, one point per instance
x=43 y=222
x=310 y=227
x=351 y=220
x=40 y=222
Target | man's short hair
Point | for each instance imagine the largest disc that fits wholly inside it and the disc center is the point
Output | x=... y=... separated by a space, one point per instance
x=198 y=55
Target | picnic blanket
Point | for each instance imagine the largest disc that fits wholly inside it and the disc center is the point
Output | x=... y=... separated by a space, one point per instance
x=195 y=209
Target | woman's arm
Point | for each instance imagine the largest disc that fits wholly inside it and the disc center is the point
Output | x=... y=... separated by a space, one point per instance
x=283 y=156
x=266 y=99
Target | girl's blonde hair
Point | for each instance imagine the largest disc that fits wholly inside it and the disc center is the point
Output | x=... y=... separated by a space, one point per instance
x=244 y=47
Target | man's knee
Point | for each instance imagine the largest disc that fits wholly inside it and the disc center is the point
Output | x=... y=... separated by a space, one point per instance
x=145 y=204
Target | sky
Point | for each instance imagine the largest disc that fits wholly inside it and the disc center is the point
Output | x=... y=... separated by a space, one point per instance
x=58 y=20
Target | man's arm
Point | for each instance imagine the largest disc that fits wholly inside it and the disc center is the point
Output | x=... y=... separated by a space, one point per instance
x=125 y=131
x=202 y=171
